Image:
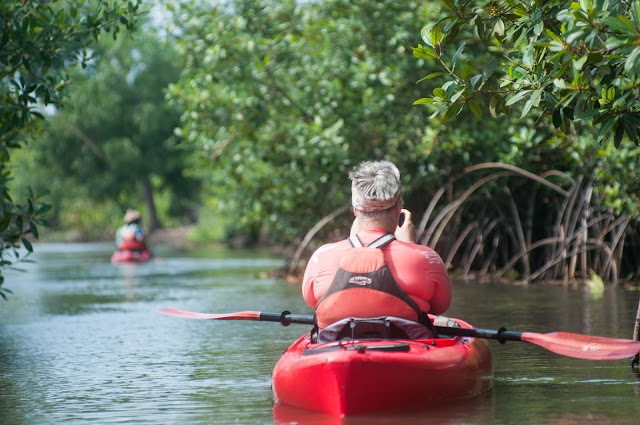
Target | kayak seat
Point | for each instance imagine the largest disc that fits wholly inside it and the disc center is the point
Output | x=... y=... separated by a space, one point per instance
x=374 y=328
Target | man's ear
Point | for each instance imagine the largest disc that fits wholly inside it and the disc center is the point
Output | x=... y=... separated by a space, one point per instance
x=355 y=212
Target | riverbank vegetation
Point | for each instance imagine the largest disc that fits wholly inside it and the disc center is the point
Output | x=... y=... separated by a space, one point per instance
x=514 y=125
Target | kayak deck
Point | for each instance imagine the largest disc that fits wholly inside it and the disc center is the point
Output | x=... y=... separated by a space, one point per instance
x=360 y=376
x=128 y=256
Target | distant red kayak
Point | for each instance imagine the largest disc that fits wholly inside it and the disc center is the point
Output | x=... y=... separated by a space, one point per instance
x=127 y=256
x=353 y=377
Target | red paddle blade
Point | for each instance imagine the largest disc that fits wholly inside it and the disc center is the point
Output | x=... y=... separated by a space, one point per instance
x=584 y=346
x=241 y=315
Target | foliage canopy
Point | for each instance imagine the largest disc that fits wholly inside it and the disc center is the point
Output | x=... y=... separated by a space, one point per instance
x=575 y=63
x=284 y=98
x=117 y=139
x=39 y=42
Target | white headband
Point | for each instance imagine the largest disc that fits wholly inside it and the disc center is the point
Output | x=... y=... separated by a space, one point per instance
x=362 y=204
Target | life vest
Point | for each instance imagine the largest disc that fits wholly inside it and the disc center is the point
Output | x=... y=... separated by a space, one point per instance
x=364 y=287
x=127 y=238
x=132 y=245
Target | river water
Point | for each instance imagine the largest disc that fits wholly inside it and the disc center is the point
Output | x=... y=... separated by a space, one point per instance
x=80 y=343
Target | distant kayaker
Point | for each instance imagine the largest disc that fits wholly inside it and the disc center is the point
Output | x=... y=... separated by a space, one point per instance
x=130 y=237
x=400 y=278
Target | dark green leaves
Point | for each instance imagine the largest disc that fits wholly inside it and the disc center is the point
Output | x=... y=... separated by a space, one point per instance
x=582 y=56
x=39 y=42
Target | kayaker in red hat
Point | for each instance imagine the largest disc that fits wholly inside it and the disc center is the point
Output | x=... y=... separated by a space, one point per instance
x=131 y=235
x=397 y=278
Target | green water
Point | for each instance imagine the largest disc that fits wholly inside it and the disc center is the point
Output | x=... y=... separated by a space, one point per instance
x=80 y=344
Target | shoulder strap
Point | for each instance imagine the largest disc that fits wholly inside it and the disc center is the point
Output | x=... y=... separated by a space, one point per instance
x=378 y=243
x=355 y=241
x=382 y=241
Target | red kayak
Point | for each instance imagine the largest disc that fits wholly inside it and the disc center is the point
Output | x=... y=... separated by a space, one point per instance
x=351 y=377
x=129 y=256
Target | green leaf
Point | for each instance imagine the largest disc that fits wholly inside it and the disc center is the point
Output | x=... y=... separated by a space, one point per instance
x=516 y=97
x=475 y=109
x=538 y=28
x=439 y=93
x=620 y=100
x=449 y=87
x=631 y=130
x=559 y=83
x=587 y=115
x=425 y=101
x=457 y=95
x=575 y=35
x=557 y=118
x=611 y=94
x=618 y=24
x=27 y=244
x=440 y=109
x=430 y=76
x=617 y=136
x=426 y=36
x=634 y=118
x=613 y=42
x=550 y=100
x=579 y=63
x=44 y=209
x=466 y=70
x=453 y=111
x=436 y=35
x=449 y=4
x=632 y=61
x=627 y=22
x=568 y=112
x=456 y=55
x=527 y=107
x=605 y=128
x=498 y=28
x=474 y=80
x=535 y=97
x=421 y=52
x=33 y=229
x=553 y=36
x=489 y=69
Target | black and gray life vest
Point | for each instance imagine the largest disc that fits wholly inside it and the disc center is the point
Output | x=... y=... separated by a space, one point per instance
x=364 y=287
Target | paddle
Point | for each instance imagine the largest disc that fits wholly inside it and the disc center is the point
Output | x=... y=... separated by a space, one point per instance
x=563 y=343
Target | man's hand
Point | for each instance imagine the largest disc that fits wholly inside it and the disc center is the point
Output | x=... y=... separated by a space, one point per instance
x=406 y=232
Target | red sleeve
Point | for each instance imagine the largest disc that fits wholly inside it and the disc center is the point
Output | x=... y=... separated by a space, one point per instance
x=308 y=283
x=439 y=278
x=320 y=271
x=441 y=292
x=420 y=271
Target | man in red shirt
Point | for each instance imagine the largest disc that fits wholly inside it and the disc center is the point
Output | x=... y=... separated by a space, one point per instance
x=399 y=278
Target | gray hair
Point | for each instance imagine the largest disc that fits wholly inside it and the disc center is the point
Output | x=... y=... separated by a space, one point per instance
x=376 y=180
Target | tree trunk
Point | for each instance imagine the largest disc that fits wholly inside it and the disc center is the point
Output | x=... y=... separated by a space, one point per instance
x=147 y=194
x=636 y=337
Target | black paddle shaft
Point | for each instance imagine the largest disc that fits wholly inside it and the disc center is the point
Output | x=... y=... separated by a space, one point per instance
x=286 y=318
x=501 y=335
